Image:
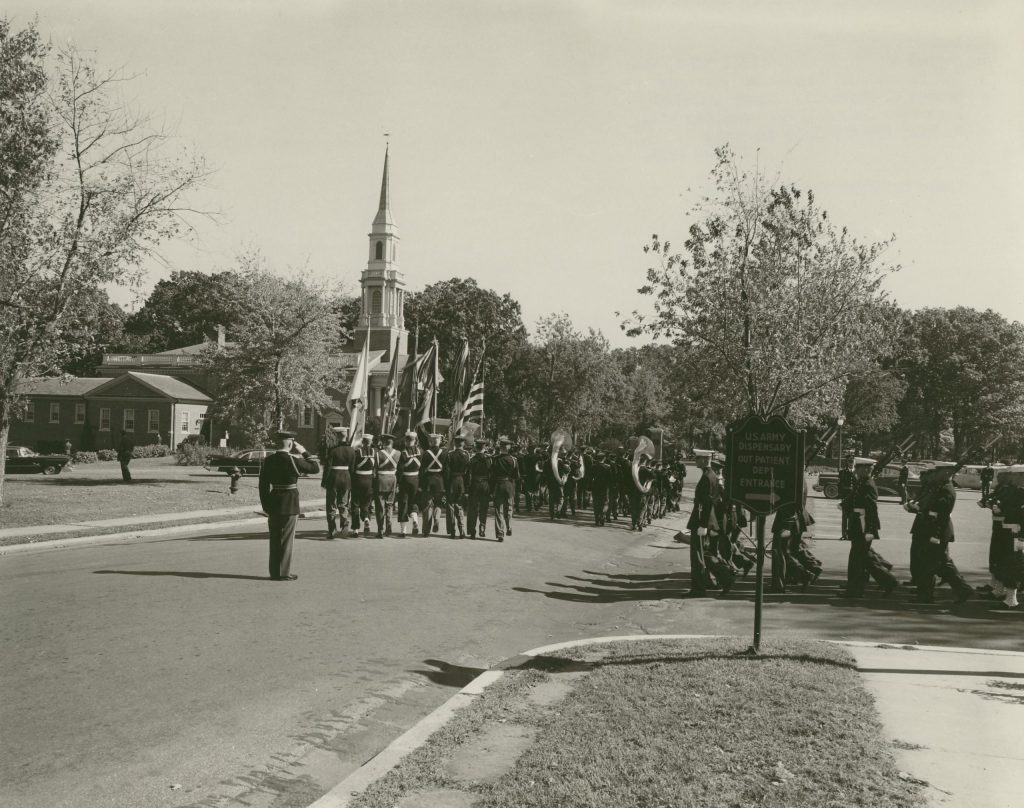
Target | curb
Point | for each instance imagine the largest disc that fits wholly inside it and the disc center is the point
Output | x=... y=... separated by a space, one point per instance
x=126 y=536
x=387 y=759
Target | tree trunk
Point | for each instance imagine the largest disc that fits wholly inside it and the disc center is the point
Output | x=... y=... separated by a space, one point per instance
x=5 y=428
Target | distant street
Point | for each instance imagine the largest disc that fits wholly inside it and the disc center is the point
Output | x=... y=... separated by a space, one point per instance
x=172 y=673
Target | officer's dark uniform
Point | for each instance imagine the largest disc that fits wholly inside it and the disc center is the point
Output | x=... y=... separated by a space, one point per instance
x=279 y=497
x=456 y=468
x=385 y=487
x=598 y=473
x=408 y=486
x=504 y=473
x=431 y=487
x=555 y=484
x=479 y=490
x=638 y=497
x=337 y=482
x=702 y=520
x=364 y=469
x=986 y=475
x=864 y=527
x=1006 y=561
x=937 y=562
x=531 y=478
x=901 y=483
x=846 y=477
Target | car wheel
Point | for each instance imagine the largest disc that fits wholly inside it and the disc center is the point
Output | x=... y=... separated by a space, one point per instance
x=832 y=491
x=51 y=469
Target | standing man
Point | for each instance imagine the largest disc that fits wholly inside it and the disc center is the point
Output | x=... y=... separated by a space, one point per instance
x=846 y=476
x=504 y=473
x=432 y=484
x=901 y=483
x=456 y=469
x=364 y=469
x=986 y=475
x=479 y=490
x=279 y=497
x=385 y=483
x=337 y=482
x=125 y=450
x=409 y=485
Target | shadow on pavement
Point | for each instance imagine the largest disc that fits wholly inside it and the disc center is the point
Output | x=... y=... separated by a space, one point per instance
x=449 y=675
x=93 y=482
x=183 y=574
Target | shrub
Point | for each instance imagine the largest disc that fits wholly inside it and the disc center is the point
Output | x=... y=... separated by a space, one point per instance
x=84 y=457
x=152 y=450
x=192 y=454
x=107 y=454
x=196 y=439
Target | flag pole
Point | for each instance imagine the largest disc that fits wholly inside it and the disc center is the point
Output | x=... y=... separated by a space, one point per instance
x=415 y=355
x=433 y=401
x=483 y=412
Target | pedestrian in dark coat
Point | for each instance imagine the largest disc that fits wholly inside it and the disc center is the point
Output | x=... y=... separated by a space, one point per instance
x=125 y=452
x=279 y=497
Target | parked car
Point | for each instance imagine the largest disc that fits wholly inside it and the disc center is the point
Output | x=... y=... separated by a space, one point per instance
x=22 y=460
x=247 y=461
x=970 y=476
x=886 y=482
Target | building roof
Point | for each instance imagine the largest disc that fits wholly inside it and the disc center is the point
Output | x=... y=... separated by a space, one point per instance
x=61 y=386
x=165 y=385
x=190 y=350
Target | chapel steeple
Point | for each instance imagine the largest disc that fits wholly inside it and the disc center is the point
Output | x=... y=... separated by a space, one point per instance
x=382 y=317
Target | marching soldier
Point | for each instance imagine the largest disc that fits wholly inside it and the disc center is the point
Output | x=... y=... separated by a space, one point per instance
x=456 y=467
x=531 y=477
x=986 y=475
x=846 y=476
x=938 y=509
x=556 y=473
x=1006 y=550
x=864 y=526
x=337 y=482
x=364 y=469
x=598 y=471
x=702 y=521
x=479 y=490
x=504 y=473
x=385 y=483
x=919 y=530
x=432 y=484
x=409 y=485
x=570 y=485
x=279 y=498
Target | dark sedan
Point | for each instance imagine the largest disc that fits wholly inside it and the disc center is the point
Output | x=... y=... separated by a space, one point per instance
x=22 y=460
x=248 y=461
x=887 y=483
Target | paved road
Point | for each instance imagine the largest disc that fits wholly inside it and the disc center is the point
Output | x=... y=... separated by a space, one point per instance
x=172 y=673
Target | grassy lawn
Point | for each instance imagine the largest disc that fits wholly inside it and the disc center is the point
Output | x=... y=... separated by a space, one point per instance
x=680 y=724
x=95 y=491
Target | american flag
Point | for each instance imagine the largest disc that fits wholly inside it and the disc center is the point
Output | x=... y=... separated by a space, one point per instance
x=474 y=407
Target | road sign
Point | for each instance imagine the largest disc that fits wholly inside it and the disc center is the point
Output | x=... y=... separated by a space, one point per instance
x=764 y=467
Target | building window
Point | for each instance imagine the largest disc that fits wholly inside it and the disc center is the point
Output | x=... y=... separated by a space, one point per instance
x=79 y=413
x=128 y=422
x=376 y=302
x=54 y=412
x=307 y=416
x=380 y=250
x=184 y=421
x=154 y=421
x=104 y=419
x=30 y=412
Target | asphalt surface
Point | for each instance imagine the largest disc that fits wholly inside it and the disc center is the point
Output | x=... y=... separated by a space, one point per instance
x=173 y=673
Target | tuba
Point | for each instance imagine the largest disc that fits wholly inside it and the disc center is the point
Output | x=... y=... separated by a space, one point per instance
x=642 y=446
x=579 y=474
x=559 y=438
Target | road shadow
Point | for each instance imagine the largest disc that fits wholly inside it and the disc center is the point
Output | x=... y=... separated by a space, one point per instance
x=99 y=482
x=178 y=574
x=447 y=674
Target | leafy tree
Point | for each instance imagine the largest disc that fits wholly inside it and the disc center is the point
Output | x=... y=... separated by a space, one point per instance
x=95 y=324
x=458 y=308
x=966 y=376
x=871 y=405
x=185 y=309
x=774 y=305
x=282 y=356
x=87 y=191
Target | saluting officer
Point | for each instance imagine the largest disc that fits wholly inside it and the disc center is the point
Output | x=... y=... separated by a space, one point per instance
x=504 y=473
x=385 y=483
x=479 y=490
x=338 y=482
x=279 y=497
x=364 y=469
x=409 y=485
x=432 y=484
x=456 y=467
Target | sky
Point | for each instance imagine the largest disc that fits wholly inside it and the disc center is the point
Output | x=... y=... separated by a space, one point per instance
x=536 y=146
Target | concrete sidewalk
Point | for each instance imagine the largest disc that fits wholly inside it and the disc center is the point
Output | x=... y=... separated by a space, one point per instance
x=952 y=716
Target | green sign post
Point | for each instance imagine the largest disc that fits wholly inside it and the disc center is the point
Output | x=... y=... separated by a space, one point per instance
x=764 y=471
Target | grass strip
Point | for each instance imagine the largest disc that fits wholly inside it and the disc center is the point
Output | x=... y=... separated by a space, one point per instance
x=678 y=723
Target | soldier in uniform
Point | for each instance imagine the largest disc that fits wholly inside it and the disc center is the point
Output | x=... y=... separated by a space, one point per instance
x=614 y=482
x=702 y=522
x=569 y=488
x=919 y=530
x=864 y=528
x=337 y=482
x=279 y=498
x=986 y=475
x=504 y=473
x=555 y=478
x=1006 y=550
x=479 y=490
x=385 y=485
x=364 y=469
x=846 y=476
x=456 y=467
x=598 y=473
x=409 y=485
x=939 y=525
x=432 y=484
x=531 y=477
